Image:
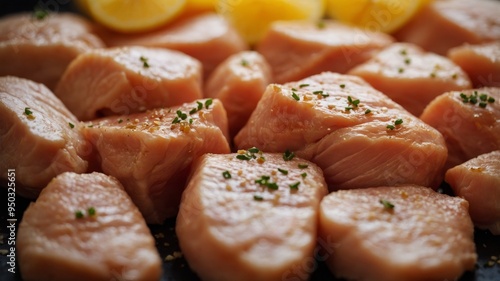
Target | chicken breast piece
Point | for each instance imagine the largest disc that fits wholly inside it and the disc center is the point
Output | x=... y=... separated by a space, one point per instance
x=410 y=76
x=41 y=49
x=151 y=153
x=298 y=49
x=469 y=122
x=239 y=83
x=397 y=233
x=478 y=182
x=444 y=24
x=356 y=134
x=250 y=215
x=206 y=37
x=481 y=62
x=85 y=227
x=39 y=137
x=120 y=81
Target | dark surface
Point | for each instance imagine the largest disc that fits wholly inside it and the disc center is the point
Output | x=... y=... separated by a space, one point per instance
x=487 y=245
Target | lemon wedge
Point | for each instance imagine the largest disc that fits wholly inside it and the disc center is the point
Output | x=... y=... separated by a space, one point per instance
x=252 y=18
x=375 y=15
x=133 y=15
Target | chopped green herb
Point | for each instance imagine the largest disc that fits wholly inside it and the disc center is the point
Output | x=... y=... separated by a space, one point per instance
x=91 y=211
x=387 y=204
x=401 y=70
x=284 y=172
x=433 y=75
x=355 y=103
x=407 y=61
x=244 y=62
x=303 y=85
x=295 y=96
x=342 y=86
x=318 y=92
x=226 y=174
x=79 y=214
x=176 y=120
x=193 y=111
x=264 y=181
x=403 y=52
x=144 y=60
x=90 y=126
x=253 y=150
x=208 y=102
x=181 y=115
x=368 y=111
x=27 y=111
x=40 y=13
x=474 y=98
x=120 y=121
x=295 y=185
x=348 y=108
x=397 y=122
x=258 y=198
x=249 y=154
x=303 y=166
x=288 y=155
x=243 y=157
x=200 y=105
x=303 y=175
x=454 y=76
x=272 y=185
x=71 y=125
x=294 y=89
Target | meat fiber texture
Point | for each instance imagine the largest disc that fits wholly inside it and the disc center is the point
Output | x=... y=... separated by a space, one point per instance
x=398 y=233
x=119 y=81
x=468 y=123
x=41 y=49
x=478 y=182
x=250 y=219
x=357 y=135
x=39 y=137
x=151 y=153
x=444 y=24
x=207 y=37
x=110 y=241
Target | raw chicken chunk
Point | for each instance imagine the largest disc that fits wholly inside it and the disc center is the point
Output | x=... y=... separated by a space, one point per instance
x=39 y=137
x=151 y=153
x=126 y=80
x=469 y=122
x=85 y=227
x=397 y=233
x=206 y=37
x=444 y=24
x=412 y=77
x=298 y=49
x=481 y=62
x=41 y=49
x=478 y=182
x=250 y=215
x=239 y=83
x=357 y=135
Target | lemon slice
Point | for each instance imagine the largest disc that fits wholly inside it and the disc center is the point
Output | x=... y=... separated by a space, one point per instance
x=252 y=18
x=375 y=15
x=201 y=5
x=134 y=15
